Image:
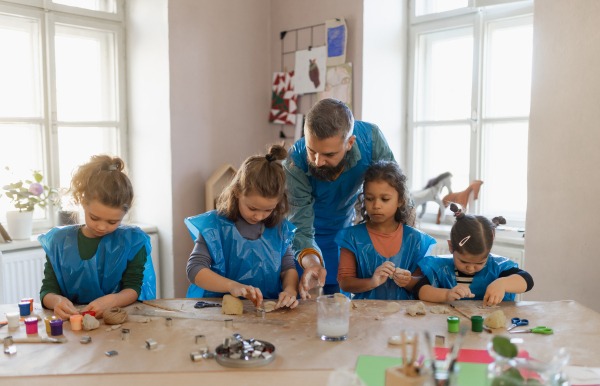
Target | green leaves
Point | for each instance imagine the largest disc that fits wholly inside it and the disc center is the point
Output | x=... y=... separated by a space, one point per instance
x=23 y=199
x=38 y=177
x=502 y=346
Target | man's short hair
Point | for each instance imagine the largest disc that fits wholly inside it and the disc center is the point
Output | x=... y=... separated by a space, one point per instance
x=330 y=118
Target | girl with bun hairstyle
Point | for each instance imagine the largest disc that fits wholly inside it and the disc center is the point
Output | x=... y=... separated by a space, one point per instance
x=471 y=272
x=244 y=247
x=101 y=263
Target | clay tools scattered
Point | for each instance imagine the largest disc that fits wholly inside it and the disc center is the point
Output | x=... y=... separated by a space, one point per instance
x=189 y=315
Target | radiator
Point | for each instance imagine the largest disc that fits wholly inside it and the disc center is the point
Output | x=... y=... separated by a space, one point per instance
x=23 y=272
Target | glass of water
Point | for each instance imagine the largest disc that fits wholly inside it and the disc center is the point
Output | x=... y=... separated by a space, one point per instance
x=333 y=317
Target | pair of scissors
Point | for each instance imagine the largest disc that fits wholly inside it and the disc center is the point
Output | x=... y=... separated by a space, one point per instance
x=537 y=330
x=517 y=322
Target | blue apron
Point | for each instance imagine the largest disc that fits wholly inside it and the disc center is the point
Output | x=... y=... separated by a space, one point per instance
x=334 y=200
x=250 y=262
x=415 y=245
x=440 y=272
x=83 y=281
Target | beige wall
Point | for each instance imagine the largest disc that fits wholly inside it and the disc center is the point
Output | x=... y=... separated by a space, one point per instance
x=291 y=14
x=220 y=93
x=563 y=222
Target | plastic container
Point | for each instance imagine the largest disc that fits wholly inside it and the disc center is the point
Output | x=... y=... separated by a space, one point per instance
x=453 y=323
x=76 y=322
x=30 y=300
x=47 y=320
x=56 y=327
x=84 y=313
x=31 y=325
x=25 y=308
x=477 y=323
x=13 y=319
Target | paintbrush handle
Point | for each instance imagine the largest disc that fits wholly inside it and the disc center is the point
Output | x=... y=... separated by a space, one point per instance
x=37 y=339
x=159 y=306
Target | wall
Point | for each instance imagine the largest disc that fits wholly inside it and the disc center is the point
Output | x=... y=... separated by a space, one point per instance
x=149 y=124
x=220 y=92
x=292 y=14
x=564 y=137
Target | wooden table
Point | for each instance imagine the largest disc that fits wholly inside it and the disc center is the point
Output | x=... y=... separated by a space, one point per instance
x=297 y=347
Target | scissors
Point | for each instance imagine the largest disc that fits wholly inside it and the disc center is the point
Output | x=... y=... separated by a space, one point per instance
x=517 y=322
x=537 y=330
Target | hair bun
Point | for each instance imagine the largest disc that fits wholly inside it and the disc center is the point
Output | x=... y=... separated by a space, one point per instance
x=277 y=153
x=498 y=221
x=458 y=213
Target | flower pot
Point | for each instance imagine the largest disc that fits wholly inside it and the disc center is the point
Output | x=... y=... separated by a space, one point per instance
x=19 y=224
x=66 y=217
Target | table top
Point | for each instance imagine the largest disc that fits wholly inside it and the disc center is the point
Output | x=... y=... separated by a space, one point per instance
x=297 y=346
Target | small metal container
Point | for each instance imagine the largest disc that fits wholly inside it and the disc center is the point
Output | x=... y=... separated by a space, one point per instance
x=111 y=353
x=229 y=323
x=125 y=334
x=245 y=353
x=169 y=322
x=151 y=344
x=196 y=356
x=86 y=340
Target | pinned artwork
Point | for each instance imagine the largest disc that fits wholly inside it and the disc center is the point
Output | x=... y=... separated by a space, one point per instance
x=310 y=70
x=336 y=32
x=284 y=101
x=338 y=84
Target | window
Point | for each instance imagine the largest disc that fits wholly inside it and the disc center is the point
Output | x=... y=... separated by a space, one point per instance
x=468 y=114
x=61 y=90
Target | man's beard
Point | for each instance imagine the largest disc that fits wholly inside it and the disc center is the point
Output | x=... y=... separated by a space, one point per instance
x=326 y=173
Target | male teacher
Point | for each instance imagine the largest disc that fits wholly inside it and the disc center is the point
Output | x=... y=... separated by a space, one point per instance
x=324 y=175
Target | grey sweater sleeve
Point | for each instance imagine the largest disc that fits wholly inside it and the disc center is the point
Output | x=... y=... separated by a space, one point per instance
x=199 y=259
x=288 y=261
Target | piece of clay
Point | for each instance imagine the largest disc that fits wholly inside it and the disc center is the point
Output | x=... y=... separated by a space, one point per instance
x=269 y=306
x=397 y=340
x=392 y=307
x=116 y=326
x=377 y=317
x=138 y=319
x=89 y=322
x=416 y=309
x=356 y=306
x=108 y=329
x=496 y=319
x=232 y=305
x=439 y=310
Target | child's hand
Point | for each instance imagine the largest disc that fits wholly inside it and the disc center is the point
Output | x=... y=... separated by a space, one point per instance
x=100 y=305
x=459 y=292
x=64 y=308
x=287 y=299
x=247 y=291
x=494 y=293
x=382 y=273
x=402 y=277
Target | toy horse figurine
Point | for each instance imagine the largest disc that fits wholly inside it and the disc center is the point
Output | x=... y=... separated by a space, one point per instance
x=463 y=198
x=432 y=192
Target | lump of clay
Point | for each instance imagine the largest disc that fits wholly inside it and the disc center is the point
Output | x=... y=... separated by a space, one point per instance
x=269 y=306
x=138 y=319
x=417 y=308
x=232 y=305
x=392 y=307
x=397 y=340
x=89 y=322
x=439 y=310
x=495 y=320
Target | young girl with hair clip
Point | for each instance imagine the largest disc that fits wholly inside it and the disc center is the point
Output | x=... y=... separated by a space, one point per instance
x=102 y=263
x=378 y=255
x=244 y=247
x=471 y=271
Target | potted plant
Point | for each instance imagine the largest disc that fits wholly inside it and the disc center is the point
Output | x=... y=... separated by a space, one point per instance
x=25 y=195
x=66 y=217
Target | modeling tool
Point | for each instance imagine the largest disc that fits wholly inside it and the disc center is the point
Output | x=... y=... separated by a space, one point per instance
x=159 y=306
x=39 y=339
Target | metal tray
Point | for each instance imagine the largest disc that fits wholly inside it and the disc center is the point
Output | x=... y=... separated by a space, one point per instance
x=224 y=360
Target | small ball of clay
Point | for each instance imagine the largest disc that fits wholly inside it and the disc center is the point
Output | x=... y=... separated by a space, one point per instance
x=495 y=320
x=393 y=307
x=417 y=308
x=269 y=306
x=439 y=310
x=89 y=322
x=397 y=340
x=232 y=305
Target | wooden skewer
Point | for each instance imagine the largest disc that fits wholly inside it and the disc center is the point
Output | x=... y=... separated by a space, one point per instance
x=415 y=344
x=403 y=339
x=159 y=306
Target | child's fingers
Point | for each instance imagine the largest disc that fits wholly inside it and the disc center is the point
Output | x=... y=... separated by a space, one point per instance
x=294 y=303
x=303 y=294
x=322 y=276
x=485 y=299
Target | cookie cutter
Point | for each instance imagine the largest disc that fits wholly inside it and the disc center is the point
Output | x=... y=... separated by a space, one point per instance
x=9 y=346
x=125 y=333
x=169 y=322
x=111 y=353
x=228 y=323
x=196 y=356
x=86 y=340
x=151 y=344
x=261 y=313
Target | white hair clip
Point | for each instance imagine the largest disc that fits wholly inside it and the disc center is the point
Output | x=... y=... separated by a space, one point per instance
x=464 y=241
x=112 y=167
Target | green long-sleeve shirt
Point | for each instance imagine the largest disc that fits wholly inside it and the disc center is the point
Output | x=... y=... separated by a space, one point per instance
x=132 y=277
x=300 y=190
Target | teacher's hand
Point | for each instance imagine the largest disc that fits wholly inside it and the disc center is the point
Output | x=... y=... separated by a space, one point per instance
x=314 y=275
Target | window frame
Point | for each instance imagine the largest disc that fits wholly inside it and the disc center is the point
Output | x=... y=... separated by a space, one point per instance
x=49 y=14
x=478 y=15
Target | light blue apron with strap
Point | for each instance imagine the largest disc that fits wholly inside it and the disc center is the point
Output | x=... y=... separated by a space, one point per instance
x=250 y=262
x=334 y=200
x=83 y=281
x=415 y=245
x=440 y=272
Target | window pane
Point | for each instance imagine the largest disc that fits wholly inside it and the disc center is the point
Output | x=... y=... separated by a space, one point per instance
x=21 y=151
x=85 y=74
x=509 y=56
x=505 y=170
x=438 y=150
x=444 y=75
x=20 y=81
x=425 y=7
x=77 y=144
x=95 y=5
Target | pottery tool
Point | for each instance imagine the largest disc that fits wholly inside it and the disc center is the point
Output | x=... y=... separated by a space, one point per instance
x=159 y=306
x=468 y=317
x=39 y=339
x=188 y=315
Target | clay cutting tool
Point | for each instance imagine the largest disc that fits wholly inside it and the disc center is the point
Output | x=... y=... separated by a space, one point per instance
x=517 y=322
x=538 y=330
